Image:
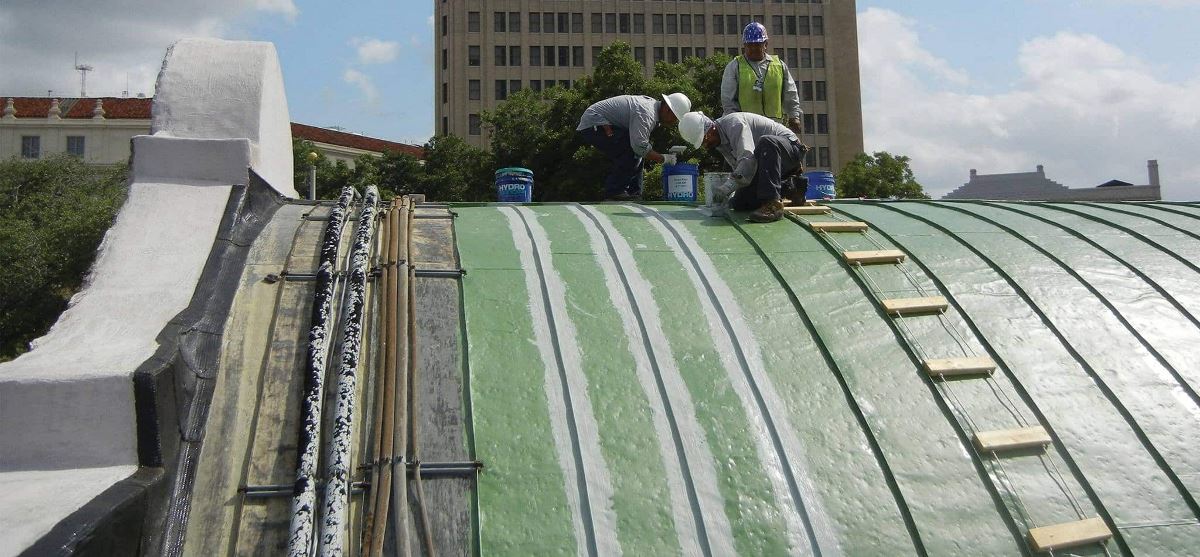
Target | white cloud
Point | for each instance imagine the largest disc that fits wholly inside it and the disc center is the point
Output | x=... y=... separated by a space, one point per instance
x=375 y=51
x=364 y=83
x=1084 y=108
x=39 y=39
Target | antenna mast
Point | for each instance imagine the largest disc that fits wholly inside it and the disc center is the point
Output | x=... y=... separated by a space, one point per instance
x=83 y=70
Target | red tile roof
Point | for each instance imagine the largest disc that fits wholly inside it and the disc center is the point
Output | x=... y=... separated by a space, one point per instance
x=355 y=141
x=115 y=108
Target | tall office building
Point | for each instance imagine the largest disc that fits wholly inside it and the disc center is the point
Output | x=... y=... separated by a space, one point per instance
x=487 y=49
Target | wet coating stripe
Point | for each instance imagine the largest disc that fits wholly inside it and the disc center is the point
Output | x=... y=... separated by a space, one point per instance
x=523 y=508
x=777 y=443
x=566 y=387
x=695 y=458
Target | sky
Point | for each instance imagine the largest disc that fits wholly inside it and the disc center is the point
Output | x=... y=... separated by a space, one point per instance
x=1090 y=89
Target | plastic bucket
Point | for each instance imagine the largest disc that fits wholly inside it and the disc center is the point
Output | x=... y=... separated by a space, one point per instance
x=820 y=185
x=712 y=181
x=679 y=181
x=514 y=185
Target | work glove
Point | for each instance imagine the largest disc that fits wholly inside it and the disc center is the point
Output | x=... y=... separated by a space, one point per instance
x=670 y=158
x=724 y=190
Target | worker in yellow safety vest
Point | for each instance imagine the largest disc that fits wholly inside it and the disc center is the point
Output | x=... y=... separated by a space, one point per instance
x=757 y=82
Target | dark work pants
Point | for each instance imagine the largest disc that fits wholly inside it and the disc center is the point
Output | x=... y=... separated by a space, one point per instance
x=625 y=174
x=777 y=157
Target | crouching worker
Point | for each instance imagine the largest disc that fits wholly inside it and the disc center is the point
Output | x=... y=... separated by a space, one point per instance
x=620 y=128
x=762 y=153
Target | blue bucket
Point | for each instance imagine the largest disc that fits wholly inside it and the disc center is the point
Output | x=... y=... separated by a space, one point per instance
x=514 y=185
x=820 y=185
x=679 y=181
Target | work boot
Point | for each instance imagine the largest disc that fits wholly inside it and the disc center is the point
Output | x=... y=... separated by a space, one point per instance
x=770 y=211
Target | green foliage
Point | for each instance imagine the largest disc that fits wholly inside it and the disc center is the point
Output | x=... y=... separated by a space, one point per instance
x=53 y=214
x=881 y=175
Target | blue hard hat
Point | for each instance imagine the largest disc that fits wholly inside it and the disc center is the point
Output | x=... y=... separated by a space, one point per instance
x=754 y=33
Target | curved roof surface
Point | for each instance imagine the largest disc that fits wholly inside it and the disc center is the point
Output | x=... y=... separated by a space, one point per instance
x=647 y=380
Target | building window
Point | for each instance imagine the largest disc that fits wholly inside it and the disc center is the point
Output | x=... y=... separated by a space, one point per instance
x=639 y=54
x=818 y=58
x=806 y=90
x=577 y=56
x=547 y=22
x=810 y=158
x=514 y=56
x=444 y=59
x=444 y=26
x=445 y=99
x=473 y=124
x=514 y=85
x=685 y=52
x=623 y=24
x=31 y=146
x=698 y=24
x=596 y=50
x=564 y=56
x=792 y=56
x=472 y=22
x=548 y=56
x=445 y=125
x=806 y=58
x=639 y=23
x=823 y=123
x=549 y=84
x=535 y=22
x=803 y=25
x=776 y=25
x=731 y=25
x=536 y=85
x=808 y=123
x=514 y=22
x=673 y=54
x=818 y=25
x=597 y=22
x=564 y=22
x=672 y=24
x=718 y=25
x=821 y=92
x=535 y=56
x=701 y=52
x=501 y=56
x=499 y=22
x=472 y=55
x=501 y=89
x=564 y=83
x=658 y=54
x=75 y=145
x=734 y=51
x=610 y=23
x=656 y=23
x=824 y=156
x=473 y=87
x=577 y=22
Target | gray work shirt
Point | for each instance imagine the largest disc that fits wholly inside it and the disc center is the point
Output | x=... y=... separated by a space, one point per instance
x=636 y=113
x=729 y=87
x=739 y=133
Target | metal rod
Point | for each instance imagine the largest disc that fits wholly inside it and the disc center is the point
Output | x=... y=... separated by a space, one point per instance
x=440 y=273
x=448 y=215
x=399 y=291
x=372 y=544
x=337 y=458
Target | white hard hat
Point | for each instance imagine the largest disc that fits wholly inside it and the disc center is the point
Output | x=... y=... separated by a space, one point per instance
x=693 y=126
x=679 y=103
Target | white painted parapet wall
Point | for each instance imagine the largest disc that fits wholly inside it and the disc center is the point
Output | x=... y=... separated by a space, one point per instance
x=67 y=422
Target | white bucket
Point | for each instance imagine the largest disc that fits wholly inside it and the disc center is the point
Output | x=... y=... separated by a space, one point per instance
x=712 y=181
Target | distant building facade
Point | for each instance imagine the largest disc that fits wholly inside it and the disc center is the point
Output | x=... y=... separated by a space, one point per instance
x=1034 y=186
x=99 y=130
x=489 y=49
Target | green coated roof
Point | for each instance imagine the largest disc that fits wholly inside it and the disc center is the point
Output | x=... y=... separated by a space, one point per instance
x=647 y=380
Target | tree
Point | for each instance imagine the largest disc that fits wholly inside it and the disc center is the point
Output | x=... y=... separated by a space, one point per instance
x=53 y=214
x=879 y=176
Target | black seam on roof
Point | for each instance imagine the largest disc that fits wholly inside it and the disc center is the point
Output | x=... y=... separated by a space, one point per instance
x=859 y=415
x=1099 y=381
x=1159 y=206
x=1187 y=387
x=769 y=421
x=1126 y=230
x=581 y=475
x=668 y=411
x=1155 y=220
x=1097 y=503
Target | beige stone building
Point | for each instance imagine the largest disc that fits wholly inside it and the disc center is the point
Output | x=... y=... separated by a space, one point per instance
x=487 y=49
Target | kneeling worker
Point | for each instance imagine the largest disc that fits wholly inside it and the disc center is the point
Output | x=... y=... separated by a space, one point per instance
x=620 y=128
x=761 y=152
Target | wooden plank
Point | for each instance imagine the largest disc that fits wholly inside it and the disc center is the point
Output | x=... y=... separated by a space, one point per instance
x=810 y=202
x=1070 y=534
x=838 y=226
x=915 y=306
x=874 y=256
x=809 y=210
x=960 y=366
x=1010 y=439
